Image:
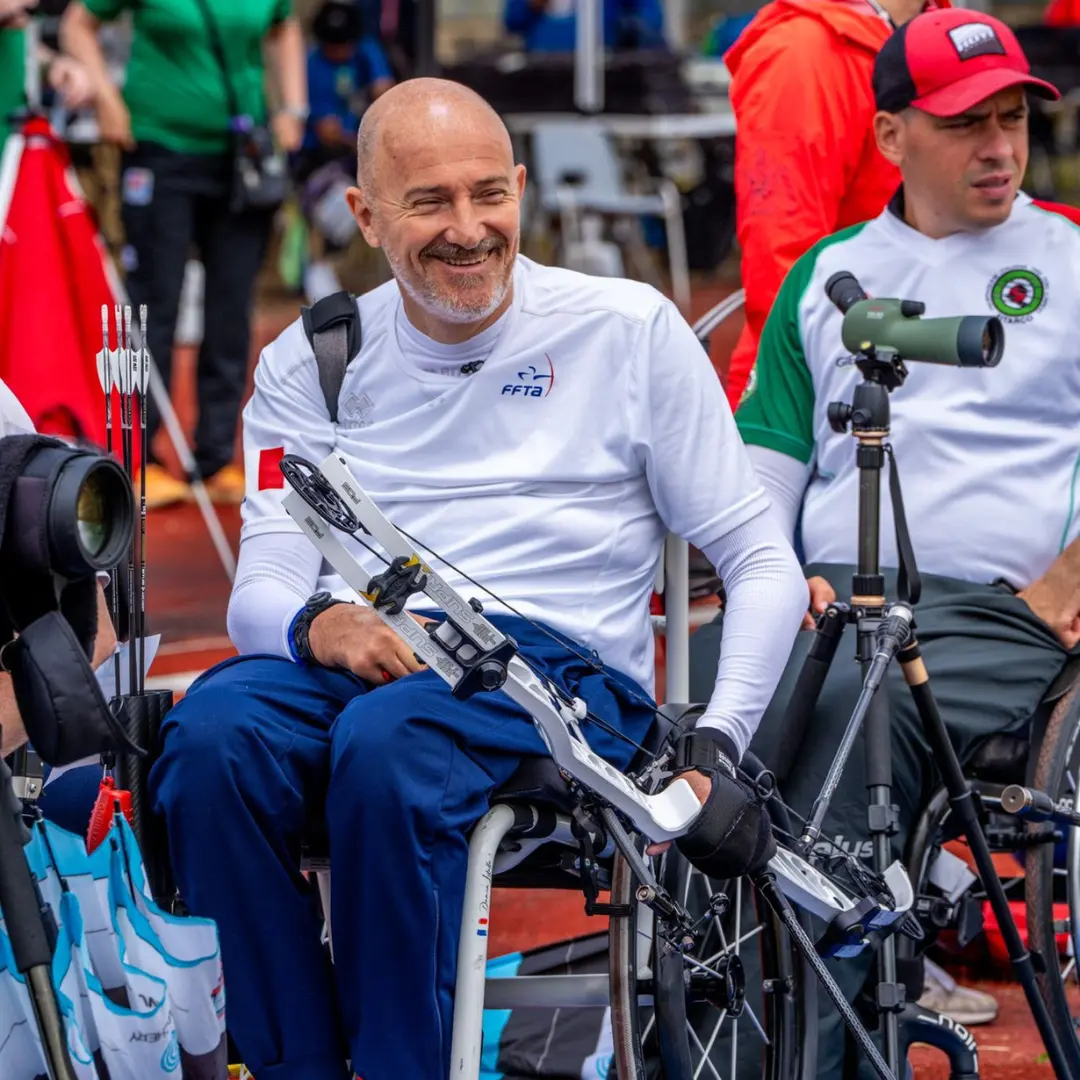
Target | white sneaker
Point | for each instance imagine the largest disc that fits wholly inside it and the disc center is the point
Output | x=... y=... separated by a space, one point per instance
x=966 y=1006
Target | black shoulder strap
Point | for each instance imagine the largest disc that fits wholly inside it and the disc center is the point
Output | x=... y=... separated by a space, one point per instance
x=333 y=328
x=218 y=49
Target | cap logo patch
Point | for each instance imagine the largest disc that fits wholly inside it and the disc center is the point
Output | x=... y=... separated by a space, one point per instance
x=975 y=39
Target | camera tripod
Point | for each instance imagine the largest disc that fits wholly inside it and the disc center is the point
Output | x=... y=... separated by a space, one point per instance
x=885 y=631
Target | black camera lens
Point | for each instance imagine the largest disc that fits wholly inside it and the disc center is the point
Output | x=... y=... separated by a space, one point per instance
x=72 y=513
x=91 y=516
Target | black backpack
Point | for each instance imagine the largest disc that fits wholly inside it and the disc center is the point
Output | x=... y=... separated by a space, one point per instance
x=333 y=328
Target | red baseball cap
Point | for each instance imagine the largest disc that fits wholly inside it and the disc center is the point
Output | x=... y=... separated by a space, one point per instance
x=945 y=62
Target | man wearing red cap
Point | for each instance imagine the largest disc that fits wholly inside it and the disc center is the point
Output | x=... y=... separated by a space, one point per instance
x=988 y=456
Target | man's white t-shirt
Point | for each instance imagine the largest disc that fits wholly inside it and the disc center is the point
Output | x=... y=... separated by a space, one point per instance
x=989 y=458
x=591 y=424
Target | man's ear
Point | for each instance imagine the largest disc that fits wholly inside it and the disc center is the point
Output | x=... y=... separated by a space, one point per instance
x=519 y=180
x=889 y=135
x=363 y=214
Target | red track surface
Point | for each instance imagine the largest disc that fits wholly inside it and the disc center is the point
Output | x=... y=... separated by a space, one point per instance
x=188 y=593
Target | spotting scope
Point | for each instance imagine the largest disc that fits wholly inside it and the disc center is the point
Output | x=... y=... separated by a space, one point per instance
x=886 y=326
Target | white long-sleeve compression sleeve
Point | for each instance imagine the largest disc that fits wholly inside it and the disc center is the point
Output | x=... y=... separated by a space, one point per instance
x=766 y=599
x=785 y=479
x=275 y=574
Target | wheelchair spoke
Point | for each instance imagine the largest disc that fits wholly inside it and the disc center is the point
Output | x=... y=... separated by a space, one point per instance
x=709 y=1044
x=704 y=1057
x=738 y=914
x=734 y=1049
x=756 y=1022
x=746 y=937
x=648 y=1028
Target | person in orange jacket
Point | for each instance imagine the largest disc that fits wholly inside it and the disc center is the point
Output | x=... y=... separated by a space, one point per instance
x=805 y=162
x=1062 y=13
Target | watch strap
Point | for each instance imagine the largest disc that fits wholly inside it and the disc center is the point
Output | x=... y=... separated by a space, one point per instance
x=300 y=628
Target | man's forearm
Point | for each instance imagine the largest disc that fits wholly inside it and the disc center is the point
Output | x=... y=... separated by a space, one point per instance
x=275 y=575
x=1064 y=572
x=766 y=599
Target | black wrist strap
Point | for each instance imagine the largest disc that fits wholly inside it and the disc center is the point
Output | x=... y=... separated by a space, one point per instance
x=300 y=631
x=707 y=750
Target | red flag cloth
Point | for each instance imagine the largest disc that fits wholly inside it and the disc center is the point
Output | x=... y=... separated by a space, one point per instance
x=53 y=282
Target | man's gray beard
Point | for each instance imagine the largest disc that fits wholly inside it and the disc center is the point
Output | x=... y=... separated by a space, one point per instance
x=446 y=308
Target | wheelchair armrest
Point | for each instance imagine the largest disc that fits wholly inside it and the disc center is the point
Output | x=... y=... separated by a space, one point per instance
x=1067 y=678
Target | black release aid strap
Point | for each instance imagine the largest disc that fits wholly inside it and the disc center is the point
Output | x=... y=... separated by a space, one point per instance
x=333 y=328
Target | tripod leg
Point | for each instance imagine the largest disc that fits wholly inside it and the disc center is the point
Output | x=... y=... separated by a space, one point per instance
x=962 y=801
x=881 y=821
x=766 y=885
x=807 y=690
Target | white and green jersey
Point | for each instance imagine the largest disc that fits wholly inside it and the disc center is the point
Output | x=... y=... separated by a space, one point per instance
x=989 y=458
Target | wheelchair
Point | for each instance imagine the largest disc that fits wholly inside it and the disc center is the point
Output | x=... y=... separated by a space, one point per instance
x=667 y=1019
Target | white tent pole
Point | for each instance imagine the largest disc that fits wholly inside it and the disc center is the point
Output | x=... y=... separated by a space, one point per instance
x=589 y=56
x=675 y=24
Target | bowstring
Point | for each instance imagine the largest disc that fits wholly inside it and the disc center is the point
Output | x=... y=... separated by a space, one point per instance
x=592 y=662
x=564 y=696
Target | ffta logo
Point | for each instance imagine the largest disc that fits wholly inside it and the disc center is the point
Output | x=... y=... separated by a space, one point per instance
x=532 y=383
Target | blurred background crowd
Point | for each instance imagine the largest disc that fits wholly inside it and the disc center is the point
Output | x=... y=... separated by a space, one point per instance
x=148 y=98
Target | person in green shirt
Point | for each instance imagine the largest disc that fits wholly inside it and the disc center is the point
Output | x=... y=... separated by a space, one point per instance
x=12 y=76
x=64 y=75
x=173 y=123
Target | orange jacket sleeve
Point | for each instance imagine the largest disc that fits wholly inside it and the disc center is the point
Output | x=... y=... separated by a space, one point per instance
x=1062 y=13
x=802 y=110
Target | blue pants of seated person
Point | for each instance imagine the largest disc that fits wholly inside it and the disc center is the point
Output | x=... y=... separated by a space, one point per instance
x=258 y=750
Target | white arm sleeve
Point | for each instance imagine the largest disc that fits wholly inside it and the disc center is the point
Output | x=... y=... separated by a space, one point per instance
x=766 y=600
x=275 y=574
x=705 y=490
x=785 y=479
x=278 y=568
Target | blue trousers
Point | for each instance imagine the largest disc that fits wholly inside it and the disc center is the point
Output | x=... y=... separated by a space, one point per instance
x=259 y=751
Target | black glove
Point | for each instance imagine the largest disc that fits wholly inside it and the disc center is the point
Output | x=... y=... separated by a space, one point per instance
x=732 y=836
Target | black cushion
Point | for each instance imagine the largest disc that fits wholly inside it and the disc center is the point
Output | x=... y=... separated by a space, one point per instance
x=536 y=780
x=1000 y=759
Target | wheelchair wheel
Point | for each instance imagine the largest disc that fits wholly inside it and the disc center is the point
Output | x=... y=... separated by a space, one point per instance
x=672 y=1021
x=1053 y=876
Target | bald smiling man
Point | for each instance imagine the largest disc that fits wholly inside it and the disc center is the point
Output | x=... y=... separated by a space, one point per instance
x=543 y=431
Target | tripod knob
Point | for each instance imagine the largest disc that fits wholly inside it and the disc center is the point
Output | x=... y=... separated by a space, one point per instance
x=839 y=415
